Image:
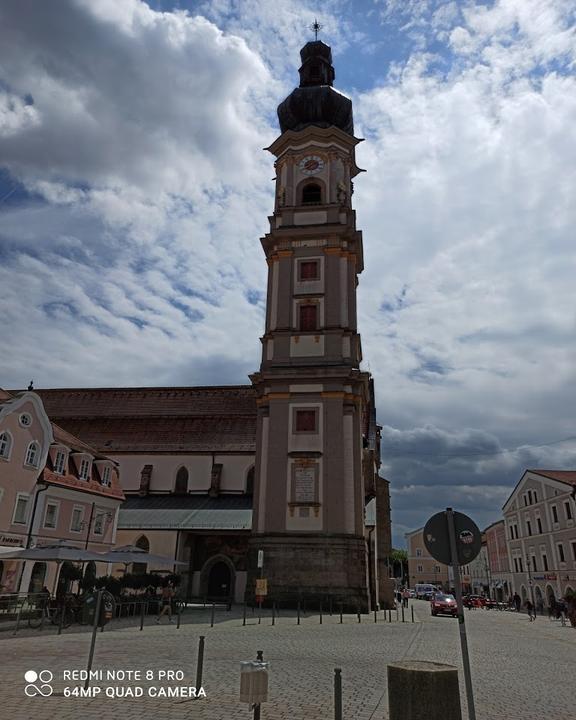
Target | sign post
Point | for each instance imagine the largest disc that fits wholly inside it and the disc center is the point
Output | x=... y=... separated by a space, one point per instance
x=454 y=539
x=459 y=603
x=261 y=588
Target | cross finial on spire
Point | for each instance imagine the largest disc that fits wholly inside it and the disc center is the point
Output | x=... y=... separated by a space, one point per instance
x=316 y=27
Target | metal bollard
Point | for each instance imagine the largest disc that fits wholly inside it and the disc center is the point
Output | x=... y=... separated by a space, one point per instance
x=337 y=694
x=396 y=613
x=259 y=658
x=244 y=615
x=340 y=613
x=402 y=613
x=330 y=606
x=212 y=615
x=200 y=663
x=298 y=612
x=412 y=611
x=358 y=613
x=61 y=619
x=375 y=616
x=320 y=613
x=18 y=618
x=93 y=641
x=273 y=613
x=179 y=616
x=142 y=616
x=389 y=616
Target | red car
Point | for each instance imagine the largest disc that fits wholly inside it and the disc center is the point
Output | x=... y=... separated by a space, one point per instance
x=443 y=605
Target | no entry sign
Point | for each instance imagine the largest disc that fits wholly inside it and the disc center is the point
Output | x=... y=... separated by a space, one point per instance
x=437 y=538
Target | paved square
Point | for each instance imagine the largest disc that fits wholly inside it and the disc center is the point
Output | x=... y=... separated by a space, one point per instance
x=520 y=669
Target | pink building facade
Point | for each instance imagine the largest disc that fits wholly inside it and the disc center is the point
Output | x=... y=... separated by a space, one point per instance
x=53 y=488
x=500 y=579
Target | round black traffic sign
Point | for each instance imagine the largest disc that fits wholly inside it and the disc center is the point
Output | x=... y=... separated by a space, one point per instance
x=437 y=538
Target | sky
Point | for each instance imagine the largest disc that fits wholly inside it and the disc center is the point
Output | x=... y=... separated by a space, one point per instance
x=134 y=189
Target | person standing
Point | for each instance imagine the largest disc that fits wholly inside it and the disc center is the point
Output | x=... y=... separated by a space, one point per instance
x=405 y=596
x=166 y=601
x=529 y=608
x=517 y=602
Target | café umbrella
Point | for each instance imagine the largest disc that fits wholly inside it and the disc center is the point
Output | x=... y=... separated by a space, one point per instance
x=53 y=553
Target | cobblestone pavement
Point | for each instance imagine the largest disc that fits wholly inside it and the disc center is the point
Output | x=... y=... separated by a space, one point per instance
x=520 y=670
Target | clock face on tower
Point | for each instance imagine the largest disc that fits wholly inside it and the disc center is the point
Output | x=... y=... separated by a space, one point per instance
x=311 y=164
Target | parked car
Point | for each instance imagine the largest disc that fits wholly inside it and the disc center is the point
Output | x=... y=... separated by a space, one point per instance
x=424 y=591
x=442 y=604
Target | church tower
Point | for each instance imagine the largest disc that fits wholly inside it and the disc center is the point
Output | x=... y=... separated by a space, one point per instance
x=317 y=451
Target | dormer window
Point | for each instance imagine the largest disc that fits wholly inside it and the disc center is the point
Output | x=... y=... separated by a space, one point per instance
x=106 y=473
x=311 y=194
x=5 y=445
x=60 y=462
x=32 y=455
x=84 y=470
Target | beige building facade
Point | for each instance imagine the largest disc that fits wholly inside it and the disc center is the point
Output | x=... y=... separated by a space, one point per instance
x=540 y=528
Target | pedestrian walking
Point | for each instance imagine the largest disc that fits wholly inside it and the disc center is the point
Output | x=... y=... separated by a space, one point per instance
x=405 y=597
x=517 y=602
x=529 y=608
x=166 y=601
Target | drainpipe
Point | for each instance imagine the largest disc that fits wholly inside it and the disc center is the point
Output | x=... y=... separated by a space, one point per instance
x=89 y=526
x=40 y=488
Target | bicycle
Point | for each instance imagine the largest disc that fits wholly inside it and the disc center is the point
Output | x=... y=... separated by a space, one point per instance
x=57 y=612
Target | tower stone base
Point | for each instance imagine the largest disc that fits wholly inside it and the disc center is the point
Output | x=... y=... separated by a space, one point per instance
x=313 y=569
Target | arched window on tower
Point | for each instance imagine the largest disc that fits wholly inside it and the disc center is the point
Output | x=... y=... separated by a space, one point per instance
x=311 y=194
x=250 y=481
x=181 y=484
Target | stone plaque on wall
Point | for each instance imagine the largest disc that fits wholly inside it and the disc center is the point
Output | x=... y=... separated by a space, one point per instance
x=305 y=484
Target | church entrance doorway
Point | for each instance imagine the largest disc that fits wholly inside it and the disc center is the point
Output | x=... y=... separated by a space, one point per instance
x=219 y=580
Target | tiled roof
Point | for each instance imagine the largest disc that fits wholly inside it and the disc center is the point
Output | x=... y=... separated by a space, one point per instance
x=142 y=402
x=71 y=441
x=197 y=419
x=565 y=476
x=89 y=486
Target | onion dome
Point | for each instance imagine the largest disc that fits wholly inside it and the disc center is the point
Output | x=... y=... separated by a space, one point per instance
x=316 y=102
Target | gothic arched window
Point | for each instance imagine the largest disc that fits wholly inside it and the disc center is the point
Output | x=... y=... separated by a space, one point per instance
x=144 y=544
x=311 y=194
x=250 y=481
x=181 y=484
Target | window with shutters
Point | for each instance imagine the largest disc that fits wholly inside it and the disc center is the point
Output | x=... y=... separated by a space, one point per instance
x=308 y=270
x=306 y=420
x=308 y=318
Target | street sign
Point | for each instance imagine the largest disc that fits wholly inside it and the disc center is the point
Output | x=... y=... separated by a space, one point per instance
x=260 y=558
x=437 y=538
x=261 y=587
